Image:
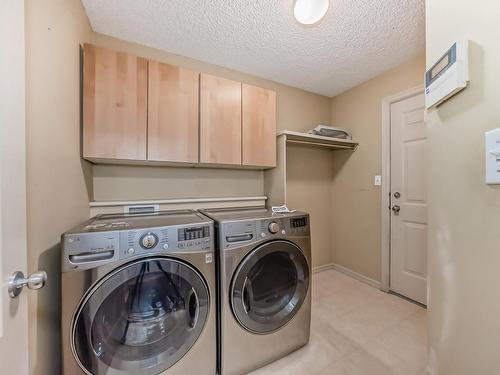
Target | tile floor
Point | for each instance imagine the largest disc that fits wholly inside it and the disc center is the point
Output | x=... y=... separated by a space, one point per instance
x=358 y=330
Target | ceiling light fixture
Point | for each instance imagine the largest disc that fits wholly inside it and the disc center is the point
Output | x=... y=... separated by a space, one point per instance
x=309 y=12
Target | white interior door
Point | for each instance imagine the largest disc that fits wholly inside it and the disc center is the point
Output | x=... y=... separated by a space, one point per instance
x=13 y=311
x=408 y=199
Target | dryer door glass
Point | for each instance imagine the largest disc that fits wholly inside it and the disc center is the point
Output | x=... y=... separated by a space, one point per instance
x=269 y=286
x=141 y=318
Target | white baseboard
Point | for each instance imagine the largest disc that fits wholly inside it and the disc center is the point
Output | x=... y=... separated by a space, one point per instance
x=324 y=267
x=348 y=272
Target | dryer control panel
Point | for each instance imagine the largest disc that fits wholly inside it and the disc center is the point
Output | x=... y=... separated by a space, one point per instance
x=238 y=233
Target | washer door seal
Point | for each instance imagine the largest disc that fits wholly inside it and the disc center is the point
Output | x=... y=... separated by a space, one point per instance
x=269 y=286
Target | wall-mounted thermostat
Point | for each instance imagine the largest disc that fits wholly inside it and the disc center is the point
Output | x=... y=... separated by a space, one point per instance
x=448 y=75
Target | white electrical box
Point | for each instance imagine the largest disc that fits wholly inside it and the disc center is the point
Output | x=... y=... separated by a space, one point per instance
x=448 y=76
x=492 y=151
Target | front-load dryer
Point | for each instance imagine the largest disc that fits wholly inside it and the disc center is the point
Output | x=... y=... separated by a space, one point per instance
x=138 y=295
x=264 y=263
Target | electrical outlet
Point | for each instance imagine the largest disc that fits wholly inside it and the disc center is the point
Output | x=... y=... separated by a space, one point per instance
x=377 y=181
x=492 y=156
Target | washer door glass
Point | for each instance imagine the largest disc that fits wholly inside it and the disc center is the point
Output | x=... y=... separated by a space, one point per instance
x=269 y=286
x=141 y=318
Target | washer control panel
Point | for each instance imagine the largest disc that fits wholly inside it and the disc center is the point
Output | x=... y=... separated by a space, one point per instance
x=160 y=240
x=108 y=238
x=90 y=249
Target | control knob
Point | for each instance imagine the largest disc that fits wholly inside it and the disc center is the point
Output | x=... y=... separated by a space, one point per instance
x=273 y=227
x=148 y=241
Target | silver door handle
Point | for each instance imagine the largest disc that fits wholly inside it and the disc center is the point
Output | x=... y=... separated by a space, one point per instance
x=17 y=282
x=396 y=208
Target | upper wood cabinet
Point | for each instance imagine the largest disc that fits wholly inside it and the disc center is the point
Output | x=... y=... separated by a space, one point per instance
x=139 y=111
x=220 y=120
x=172 y=113
x=258 y=126
x=114 y=104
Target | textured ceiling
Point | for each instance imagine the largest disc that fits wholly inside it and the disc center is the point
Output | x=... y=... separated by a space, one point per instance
x=357 y=39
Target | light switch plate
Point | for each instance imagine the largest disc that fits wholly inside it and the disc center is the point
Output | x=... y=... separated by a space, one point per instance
x=377 y=181
x=492 y=156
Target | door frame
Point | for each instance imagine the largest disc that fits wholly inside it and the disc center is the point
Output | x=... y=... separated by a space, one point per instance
x=14 y=315
x=385 y=227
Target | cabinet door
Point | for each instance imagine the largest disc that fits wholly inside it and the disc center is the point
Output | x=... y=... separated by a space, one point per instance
x=258 y=126
x=114 y=104
x=172 y=113
x=220 y=120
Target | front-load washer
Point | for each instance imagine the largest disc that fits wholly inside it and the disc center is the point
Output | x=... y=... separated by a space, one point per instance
x=264 y=274
x=138 y=295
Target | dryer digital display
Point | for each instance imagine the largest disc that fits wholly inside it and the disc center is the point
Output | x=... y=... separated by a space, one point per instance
x=298 y=222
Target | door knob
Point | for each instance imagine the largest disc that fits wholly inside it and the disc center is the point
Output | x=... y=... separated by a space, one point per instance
x=17 y=282
x=396 y=208
x=397 y=194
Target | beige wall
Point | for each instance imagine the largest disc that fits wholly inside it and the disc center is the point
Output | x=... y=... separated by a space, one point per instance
x=464 y=212
x=310 y=174
x=57 y=195
x=138 y=183
x=297 y=110
x=356 y=201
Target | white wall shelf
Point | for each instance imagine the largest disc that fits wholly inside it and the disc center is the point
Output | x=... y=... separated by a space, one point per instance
x=112 y=207
x=317 y=140
x=275 y=180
